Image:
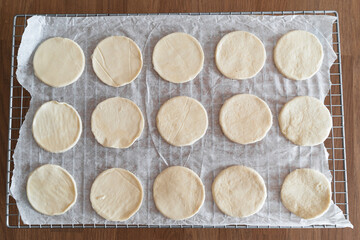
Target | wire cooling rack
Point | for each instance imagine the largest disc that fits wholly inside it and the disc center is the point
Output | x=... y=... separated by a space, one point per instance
x=335 y=143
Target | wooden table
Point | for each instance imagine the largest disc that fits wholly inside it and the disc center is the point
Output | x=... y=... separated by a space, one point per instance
x=348 y=10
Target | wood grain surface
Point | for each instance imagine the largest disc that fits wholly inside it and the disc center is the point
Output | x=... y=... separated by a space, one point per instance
x=349 y=12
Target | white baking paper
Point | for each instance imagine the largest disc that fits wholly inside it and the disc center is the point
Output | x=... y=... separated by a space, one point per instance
x=273 y=157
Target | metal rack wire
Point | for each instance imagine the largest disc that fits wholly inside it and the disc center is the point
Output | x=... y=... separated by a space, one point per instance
x=335 y=144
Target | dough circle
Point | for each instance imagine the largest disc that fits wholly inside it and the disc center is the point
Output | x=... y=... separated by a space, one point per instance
x=51 y=190
x=240 y=55
x=117 y=122
x=305 y=121
x=116 y=194
x=245 y=118
x=178 y=193
x=306 y=193
x=117 y=61
x=298 y=55
x=239 y=191
x=58 y=62
x=178 y=57
x=56 y=126
x=181 y=121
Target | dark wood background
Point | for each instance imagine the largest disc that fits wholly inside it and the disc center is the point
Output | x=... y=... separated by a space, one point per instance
x=349 y=12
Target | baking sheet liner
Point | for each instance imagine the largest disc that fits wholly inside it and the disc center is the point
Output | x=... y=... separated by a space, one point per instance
x=273 y=157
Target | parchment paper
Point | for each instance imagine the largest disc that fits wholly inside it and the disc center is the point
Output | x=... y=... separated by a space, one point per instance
x=273 y=157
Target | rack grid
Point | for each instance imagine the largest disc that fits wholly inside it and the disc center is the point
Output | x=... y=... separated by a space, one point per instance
x=335 y=143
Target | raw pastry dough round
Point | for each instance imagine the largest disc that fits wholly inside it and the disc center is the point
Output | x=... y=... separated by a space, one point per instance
x=117 y=122
x=240 y=55
x=239 y=191
x=306 y=193
x=51 y=190
x=182 y=121
x=245 y=118
x=58 y=62
x=305 y=121
x=116 y=194
x=178 y=57
x=117 y=61
x=56 y=126
x=178 y=193
x=298 y=55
